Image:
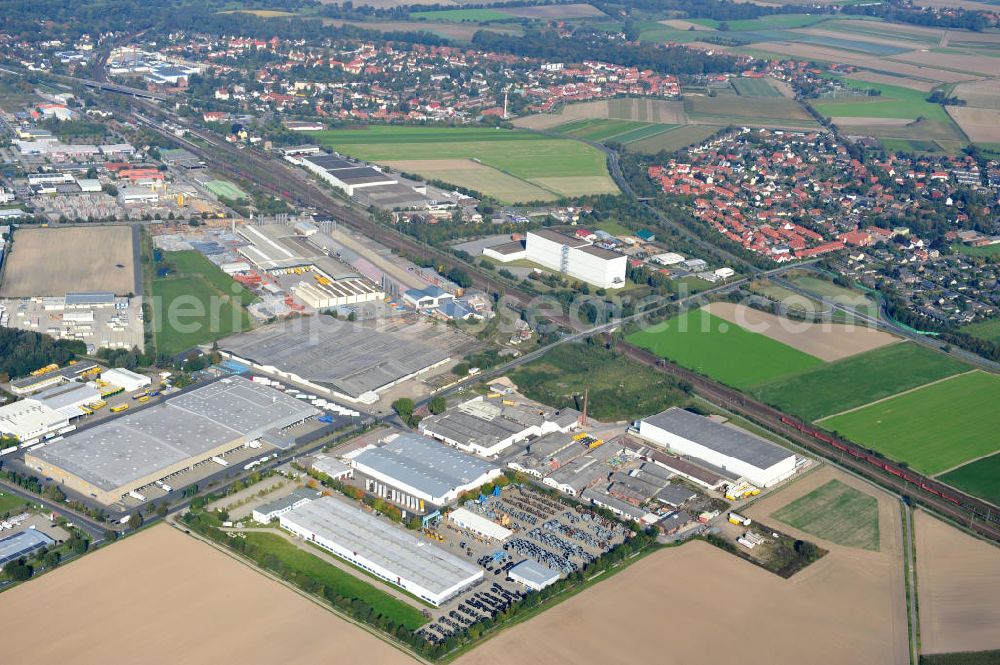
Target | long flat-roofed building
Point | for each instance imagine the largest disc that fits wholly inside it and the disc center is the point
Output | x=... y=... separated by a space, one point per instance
x=412 y=470
x=123 y=454
x=385 y=550
x=29 y=420
x=341 y=359
x=729 y=448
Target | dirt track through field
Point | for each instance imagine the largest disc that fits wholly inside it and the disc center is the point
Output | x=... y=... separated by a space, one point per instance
x=163 y=597
x=958 y=582
x=827 y=341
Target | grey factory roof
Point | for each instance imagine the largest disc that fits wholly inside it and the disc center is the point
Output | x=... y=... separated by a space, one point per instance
x=726 y=440
x=468 y=428
x=361 y=175
x=512 y=247
x=535 y=572
x=350 y=358
x=67 y=394
x=424 y=464
x=330 y=163
x=22 y=543
x=69 y=372
x=396 y=195
x=90 y=298
x=675 y=495
x=600 y=252
x=284 y=502
x=389 y=546
x=122 y=450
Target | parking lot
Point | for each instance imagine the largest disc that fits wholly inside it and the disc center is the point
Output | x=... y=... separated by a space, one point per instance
x=560 y=536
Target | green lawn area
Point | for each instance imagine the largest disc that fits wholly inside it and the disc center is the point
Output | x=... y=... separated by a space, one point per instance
x=11 y=503
x=987 y=250
x=195 y=302
x=837 y=513
x=934 y=428
x=840 y=295
x=980 y=478
x=597 y=129
x=521 y=154
x=620 y=389
x=723 y=351
x=894 y=102
x=344 y=583
x=909 y=145
x=988 y=329
x=226 y=189
x=858 y=380
x=755 y=88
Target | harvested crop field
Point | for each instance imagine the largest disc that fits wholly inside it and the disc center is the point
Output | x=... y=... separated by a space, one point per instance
x=972 y=64
x=901 y=81
x=642 y=110
x=982 y=94
x=980 y=125
x=475 y=176
x=674 y=596
x=209 y=608
x=680 y=24
x=57 y=261
x=754 y=111
x=827 y=341
x=958 y=583
x=564 y=12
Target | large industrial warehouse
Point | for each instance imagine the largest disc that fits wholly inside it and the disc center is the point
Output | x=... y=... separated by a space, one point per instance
x=344 y=360
x=412 y=470
x=385 y=550
x=735 y=450
x=577 y=258
x=121 y=455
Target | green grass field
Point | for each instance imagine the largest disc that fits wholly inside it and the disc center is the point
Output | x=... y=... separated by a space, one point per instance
x=597 y=129
x=536 y=159
x=226 y=189
x=988 y=329
x=857 y=300
x=777 y=21
x=342 y=582
x=858 y=380
x=962 y=658
x=620 y=389
x=909 y=145
x=987 y=250
x=755 y=88
x=934 y=428
x=980 y=478
x=718 y=349
x=837 y=513
x=11 y=503
x=195 y=303
x=754 y=111
x=454 y=15
x=894 y=102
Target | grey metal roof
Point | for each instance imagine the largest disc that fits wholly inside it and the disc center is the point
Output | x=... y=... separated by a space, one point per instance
x=67 y=394
x=297 y=495
x=350 y=358
x=90 y=298
x=424 y=464
x=535 y=572
x=467 y=429
x=22 y=543
x=122 y=450
x=387 y=545
x=361 y=175
x=330 y=163
x=724 y=439
x=559 y=237
x=675 y=494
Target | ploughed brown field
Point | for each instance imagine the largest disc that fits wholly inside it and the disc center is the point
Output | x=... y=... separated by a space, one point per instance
x=163 y=597
x=697 y=604
x=958 y=584
x=827 y=341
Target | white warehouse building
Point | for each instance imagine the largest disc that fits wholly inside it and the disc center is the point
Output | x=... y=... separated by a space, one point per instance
x=759 y=461
x=383 y=549
x=576 y=258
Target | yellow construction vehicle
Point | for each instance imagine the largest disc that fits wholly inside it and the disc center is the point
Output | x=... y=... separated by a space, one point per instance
x=119 y=408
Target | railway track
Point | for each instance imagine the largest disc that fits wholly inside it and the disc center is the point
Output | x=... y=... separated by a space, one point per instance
x=978 y=516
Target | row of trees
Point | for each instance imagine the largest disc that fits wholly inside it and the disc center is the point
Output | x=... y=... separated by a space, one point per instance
x=24 y=351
